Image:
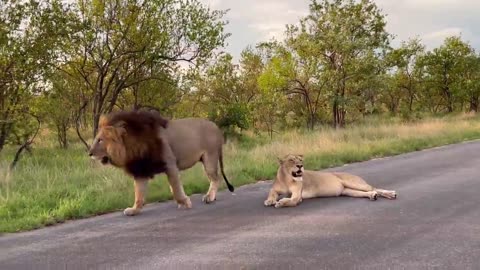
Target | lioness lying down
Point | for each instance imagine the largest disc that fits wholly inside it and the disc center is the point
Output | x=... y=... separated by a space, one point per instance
x=303 y=184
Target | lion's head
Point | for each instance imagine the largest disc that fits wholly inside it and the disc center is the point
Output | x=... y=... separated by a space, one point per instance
x=126 y=139
x=292 y=165
x=108 y=146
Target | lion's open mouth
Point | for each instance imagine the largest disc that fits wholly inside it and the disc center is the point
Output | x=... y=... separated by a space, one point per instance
x=105 y=160
x=298 y=173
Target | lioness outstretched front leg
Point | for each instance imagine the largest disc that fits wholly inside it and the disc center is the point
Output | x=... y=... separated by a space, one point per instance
x=294 y=200
x=140 y=186
x=272 y=198
x=176 y=187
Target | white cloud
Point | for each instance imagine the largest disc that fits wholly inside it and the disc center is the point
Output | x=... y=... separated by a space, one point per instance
x=252 y=21
x=442 y=34
x=211 y=3
x=269 y=30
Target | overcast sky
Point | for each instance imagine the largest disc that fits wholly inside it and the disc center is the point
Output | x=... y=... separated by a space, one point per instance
x=251 y=21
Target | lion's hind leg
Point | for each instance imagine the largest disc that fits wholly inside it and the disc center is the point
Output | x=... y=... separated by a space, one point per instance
x=210 y=165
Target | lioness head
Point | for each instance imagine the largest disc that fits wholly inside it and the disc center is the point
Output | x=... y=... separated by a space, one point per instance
x=293 y=165
x=108 y=145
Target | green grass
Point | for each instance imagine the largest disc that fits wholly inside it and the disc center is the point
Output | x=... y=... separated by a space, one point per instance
x=54 y=185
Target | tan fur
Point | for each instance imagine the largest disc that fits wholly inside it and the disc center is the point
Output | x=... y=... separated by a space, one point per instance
x=301 y=184
x=145 y=144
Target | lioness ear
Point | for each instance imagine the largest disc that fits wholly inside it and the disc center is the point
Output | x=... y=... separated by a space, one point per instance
x=280 y=160
x=300 y=156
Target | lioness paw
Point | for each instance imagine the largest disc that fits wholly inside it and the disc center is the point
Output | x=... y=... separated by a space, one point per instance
x=131 y=211
x=269 y=202
x=392 y=195
x=278 y=204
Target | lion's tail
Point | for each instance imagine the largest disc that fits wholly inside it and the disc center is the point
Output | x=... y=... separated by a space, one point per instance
x=230 y=186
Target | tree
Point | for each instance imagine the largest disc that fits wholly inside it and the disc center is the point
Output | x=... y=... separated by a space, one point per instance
x=58 y=105
x=470 y=81
x=117 y=45
x=443 y=68
x=25 y=52
x=407 y=74
x=349 y=37
x=225 y=95
x=270 y=101
x=297 y=73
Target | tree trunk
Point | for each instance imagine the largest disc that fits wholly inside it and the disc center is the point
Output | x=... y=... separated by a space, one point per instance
x=311 y=120
x=393 y=105
x=80 y=113
x=4 y=132
x=96 y=120
x=446 y=91
x=338 y=115
x=448 y=96
x=338 y=107
x=62 y=135
x=474 y=103
x=410 y=101
x=25 y=145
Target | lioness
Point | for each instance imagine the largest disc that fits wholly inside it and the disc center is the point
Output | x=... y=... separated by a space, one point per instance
x=145 y=144
x=303 y=184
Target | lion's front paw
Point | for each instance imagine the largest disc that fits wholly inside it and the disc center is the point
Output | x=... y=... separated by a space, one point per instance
x=269 y=202
x=131 y=211
x=185 y=203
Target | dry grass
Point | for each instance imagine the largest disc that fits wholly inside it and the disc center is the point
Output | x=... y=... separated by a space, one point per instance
x=362 y=138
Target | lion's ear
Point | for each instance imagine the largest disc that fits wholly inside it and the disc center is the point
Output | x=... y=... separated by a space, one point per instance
x=120 y=124
x=163 y=122
x=103 y=121
x=108 y=130
x=121 y=130
x=120 y=127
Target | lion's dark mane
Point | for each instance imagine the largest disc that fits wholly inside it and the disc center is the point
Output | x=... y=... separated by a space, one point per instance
x=144 y=147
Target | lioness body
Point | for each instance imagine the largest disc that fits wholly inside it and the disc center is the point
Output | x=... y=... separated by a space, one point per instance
x=301 y=184
x=145 y=144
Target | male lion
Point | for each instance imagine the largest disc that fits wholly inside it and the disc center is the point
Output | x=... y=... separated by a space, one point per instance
x=303 y=184
x=145 y=144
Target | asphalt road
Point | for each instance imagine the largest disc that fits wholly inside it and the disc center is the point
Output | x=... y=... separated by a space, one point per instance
x=434 y=224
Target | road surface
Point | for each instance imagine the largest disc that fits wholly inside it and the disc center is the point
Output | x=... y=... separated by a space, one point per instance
x=434 y=224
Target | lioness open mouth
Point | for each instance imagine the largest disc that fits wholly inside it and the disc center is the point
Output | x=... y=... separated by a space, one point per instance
x=298 y=173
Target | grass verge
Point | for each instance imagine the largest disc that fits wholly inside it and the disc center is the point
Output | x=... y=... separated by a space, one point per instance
x=54 y=185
